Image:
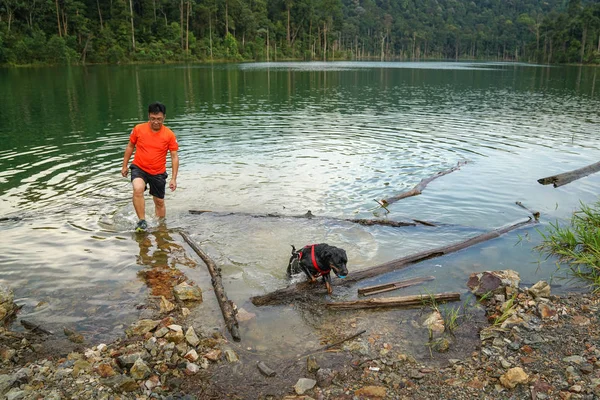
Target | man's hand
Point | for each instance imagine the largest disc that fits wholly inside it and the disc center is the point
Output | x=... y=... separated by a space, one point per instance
x=173 y=184
x=124 y=171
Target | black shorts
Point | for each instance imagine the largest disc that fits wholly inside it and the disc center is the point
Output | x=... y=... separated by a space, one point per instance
x=157 y=183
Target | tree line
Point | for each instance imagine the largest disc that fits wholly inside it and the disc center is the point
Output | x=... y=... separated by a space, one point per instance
x=125 y=31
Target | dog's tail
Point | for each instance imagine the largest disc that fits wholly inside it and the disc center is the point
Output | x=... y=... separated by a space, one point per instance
x=291 y=269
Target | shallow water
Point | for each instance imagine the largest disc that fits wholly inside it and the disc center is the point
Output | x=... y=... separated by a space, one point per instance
x=281 y=138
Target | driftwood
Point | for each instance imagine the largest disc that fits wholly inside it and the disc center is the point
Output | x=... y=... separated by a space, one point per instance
x=310 y=215
x=418 y=189
x=229 y=314
x=401 y=301
x=386 y=287
x=536 y=214
x=568 y=177
x=265 y=369
x=35 y=327
x=302 y=289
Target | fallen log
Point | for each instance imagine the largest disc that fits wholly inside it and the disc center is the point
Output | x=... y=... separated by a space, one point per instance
x=386 y=287
x=401 y=301
x=568 y=177
x=310 y=215
x=304 y=289
x=418 y=189
x=536 y=214
x=229 y=313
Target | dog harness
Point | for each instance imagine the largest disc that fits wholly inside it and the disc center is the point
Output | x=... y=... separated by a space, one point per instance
x=314 y=260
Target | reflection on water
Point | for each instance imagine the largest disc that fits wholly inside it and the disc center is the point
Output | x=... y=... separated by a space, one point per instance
x=280 y=138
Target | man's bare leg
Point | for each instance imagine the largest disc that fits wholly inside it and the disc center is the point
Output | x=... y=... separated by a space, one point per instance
x=138 y=198
x=159 y=207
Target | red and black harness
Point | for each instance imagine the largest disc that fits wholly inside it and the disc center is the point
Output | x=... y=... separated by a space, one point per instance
x=320 y=272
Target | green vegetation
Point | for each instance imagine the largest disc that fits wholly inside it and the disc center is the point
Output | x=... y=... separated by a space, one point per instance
x=577 y=245
x=124 y=31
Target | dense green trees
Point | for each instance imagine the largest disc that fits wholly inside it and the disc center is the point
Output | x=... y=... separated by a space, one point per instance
x=121 y=31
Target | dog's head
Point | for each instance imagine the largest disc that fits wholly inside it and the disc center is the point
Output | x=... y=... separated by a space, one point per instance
x=337 y=259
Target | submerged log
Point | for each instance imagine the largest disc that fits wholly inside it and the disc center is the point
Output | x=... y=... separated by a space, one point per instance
x=536 y=214
x=229 y=314
x=400 y=301
x=568 y=177
x=302 y=289
x=418 y=189
x=386 y=287
x=310 y=215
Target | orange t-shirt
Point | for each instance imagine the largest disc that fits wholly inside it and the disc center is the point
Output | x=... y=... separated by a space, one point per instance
x=151 y=147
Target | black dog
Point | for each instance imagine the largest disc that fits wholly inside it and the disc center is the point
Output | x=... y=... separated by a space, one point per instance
x=318 y=260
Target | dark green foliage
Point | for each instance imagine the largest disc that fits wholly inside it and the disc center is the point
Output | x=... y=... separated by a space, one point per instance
x=97 y=31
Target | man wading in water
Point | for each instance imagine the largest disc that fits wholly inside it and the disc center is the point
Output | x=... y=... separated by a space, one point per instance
x=151 y=142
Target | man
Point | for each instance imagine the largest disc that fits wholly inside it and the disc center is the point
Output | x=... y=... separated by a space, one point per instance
x=151 y=142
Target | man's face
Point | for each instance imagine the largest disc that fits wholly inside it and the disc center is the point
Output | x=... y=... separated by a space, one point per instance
x=156 y=121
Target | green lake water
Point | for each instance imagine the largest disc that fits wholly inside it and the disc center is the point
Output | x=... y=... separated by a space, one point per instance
x=281 y=138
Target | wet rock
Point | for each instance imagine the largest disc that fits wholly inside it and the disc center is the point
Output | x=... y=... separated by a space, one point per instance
x=311 y=364
x=243 y=315
x=230 y=356
x=434 y=324
x=492 y=282
x=513 y=377
x=324 y=377
x=304 y=384
x=186 y=292
x=165 y=305
x=141 y=327
x=265 y=369
x=7 y=305
x=540 y=289
x=73 y=336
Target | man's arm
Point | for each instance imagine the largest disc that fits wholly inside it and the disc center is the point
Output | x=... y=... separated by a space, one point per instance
x=175 y=169
x=126 y=157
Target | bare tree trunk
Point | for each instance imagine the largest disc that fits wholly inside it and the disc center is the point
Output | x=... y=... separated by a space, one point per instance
x=226 y=17
x=267 y=44
x=583 y=38
x=100 y=14
x=210 y=33
x=154 y=9
x=181 y=23
x=132 y=26
x=382 y=44
x=324 y=41
x=288 y=25
x=187 y=29
x=57 y=19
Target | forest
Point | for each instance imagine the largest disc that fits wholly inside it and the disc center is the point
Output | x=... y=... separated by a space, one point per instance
x=149 y=31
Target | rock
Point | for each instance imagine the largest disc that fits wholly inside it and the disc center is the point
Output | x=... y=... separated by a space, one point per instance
x=191 y=368
x=540 y=289
x=127 y=360
x=231 y=356
x=7 y=305
x=434 y=324
x=191 y=355
x=311 y=364
x=492 y=282
x=371 y=392
x=152 y=383
x=141 y=327
x=121 y=383
x=265 y=369
x=140 y=370
x=6 y=382
x=175 y=336
x=324 y=377
x=304 y=384
x=191 y=337
x=81 y=367
x=513 y=377
x=165 y=305
x=547 y=311
x=105 y=370
x=574 y=359
x=243 y=315
x=213 y=355
x=73 y=336
x=186 y=292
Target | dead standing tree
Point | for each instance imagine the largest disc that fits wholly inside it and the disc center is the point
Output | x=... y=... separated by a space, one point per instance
x=305 y=289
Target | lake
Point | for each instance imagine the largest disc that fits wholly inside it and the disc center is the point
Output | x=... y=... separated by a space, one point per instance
x=282 y=138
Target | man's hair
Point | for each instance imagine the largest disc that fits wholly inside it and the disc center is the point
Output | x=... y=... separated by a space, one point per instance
x=156 y=108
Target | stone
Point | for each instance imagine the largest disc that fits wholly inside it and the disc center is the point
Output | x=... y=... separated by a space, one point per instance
x=191 y=368
x=141 y=327
x=152 y=383
x=304 y=384
x=81 y=367
x=6 y=382
x=191 y=355
x=513 y=377
x=574 y=359
x=434 y=324
x=105 y=370
x=540 y=289
x=494 y=282
x=186 y=292
x=165 y=305
x=324 y=377
x=175 y=336
x=140 y=370
x=127 y=360
x=311 y=364
x=371 y=392
x=243 y=315
x=213 y=355
x=547 y=311
x=231 y=356
x=191 y=337
x=121 y=383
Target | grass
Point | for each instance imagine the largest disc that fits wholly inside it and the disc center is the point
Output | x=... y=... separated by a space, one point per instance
x=578 y=245
x=507 y=310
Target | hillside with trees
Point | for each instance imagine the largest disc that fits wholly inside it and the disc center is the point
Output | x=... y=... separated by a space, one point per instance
x=125 y=31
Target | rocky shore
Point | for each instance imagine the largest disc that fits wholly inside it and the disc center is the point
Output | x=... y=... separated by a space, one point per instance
x=533 y=345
